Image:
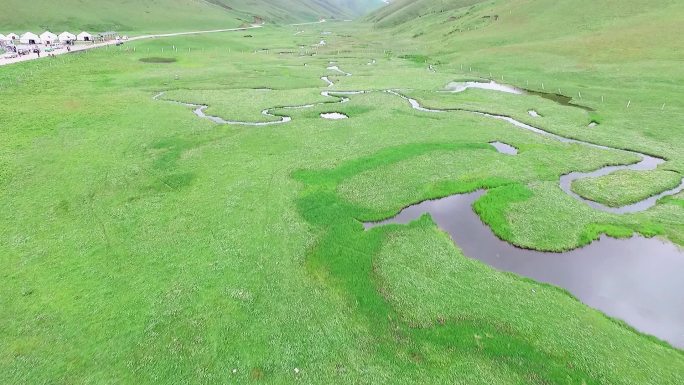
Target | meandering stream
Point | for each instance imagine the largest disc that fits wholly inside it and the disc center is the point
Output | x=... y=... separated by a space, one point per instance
x=638 y=280
x=646 y=163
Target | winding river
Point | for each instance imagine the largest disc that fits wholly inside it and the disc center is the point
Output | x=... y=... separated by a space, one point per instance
x=638 y=280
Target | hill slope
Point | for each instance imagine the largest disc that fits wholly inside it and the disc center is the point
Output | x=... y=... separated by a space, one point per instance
x=167 y=15
x=529 y=20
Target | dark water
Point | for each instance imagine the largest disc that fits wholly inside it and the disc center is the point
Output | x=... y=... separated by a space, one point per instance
x=558 y=98
x=637 y=280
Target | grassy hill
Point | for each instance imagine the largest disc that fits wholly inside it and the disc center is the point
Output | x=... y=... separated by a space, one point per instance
x=607 y=25
x=290 y=11
x=402 y=11
x=166 y=15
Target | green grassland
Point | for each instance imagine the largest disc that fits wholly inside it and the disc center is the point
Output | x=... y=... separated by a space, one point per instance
x=124 y=16
x=136 y=16
x=626 y=187
x=231 y=107
x=143 y=245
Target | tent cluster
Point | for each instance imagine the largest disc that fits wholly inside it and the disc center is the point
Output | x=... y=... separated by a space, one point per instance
x=9 y=38
x=46 y=38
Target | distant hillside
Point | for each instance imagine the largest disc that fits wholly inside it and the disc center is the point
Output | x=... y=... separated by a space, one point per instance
x=588 y=28
x=401 y=11
x=360 y=7
x=167 y=15
x=301 y=10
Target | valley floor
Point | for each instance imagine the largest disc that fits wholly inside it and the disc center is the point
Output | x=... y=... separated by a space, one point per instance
x=144 y=244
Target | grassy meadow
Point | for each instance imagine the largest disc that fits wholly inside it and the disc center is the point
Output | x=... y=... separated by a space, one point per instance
x=631 y=186
x=163 y=16
x=143 y=245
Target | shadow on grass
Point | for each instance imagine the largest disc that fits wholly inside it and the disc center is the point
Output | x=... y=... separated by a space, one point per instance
x=344 y=256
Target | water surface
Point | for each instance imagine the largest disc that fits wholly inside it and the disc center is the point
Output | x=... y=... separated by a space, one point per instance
x=333 y=115
x=563 y=100
x=504 y=148
x=638 y=280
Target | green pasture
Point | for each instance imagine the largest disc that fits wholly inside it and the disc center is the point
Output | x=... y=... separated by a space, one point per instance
x=143 y=245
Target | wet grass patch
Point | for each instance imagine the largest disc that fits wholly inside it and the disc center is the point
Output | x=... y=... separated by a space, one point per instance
x=158 y=60
x=418 y=59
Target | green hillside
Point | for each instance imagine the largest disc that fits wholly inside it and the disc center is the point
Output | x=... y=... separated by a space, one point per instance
x=167 y=15
x=290 y=11
x=605 y=26
x=402 y=11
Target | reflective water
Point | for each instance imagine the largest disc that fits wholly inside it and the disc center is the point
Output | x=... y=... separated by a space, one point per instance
x=504 y=148
x=333 y=116
x=327 y=81
x=646 y=163
x=638 y=280
x=492 y=86
x=337 y=69
x=198 y=109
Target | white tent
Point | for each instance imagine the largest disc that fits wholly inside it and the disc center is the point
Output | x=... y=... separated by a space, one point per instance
x=12 y=36
x=84 y=36
x=66 y=36
x=29 y=38
x=48 y=37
